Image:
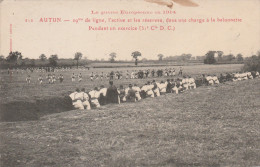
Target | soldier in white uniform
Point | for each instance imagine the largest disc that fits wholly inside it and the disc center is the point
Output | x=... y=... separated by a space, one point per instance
x=94 y=95
x=40 y=79
x=137 y=92
x=192 y=83
x=80 y=77
x=162 y=87
x=28 y=79
x=210 y=80
x=185 y=83
x=73 y=77
x=76 y=98
x=85 y=99
x=148 y=90
x=155 y=88
x=249 y=75
x=215 y=79
x=102 y=95
x=132 y=75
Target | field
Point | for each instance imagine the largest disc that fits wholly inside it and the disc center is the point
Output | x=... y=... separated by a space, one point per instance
x=15 y=88
x=208 y=126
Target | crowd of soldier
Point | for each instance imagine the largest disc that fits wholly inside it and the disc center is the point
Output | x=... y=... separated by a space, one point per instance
x=132 y=93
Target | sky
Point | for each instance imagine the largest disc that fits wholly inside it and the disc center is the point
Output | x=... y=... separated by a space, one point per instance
x=66 y=38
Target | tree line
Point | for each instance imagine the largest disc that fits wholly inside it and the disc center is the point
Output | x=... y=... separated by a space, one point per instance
x=218 y=57
x=211 y=57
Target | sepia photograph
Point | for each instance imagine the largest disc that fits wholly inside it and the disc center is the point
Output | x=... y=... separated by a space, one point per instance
x=129 y=83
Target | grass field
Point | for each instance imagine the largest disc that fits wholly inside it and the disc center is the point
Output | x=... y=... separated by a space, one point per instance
x=16 y=88
x=208 y=126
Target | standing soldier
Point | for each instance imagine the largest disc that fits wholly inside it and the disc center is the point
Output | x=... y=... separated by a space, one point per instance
x=102 y=76
x=112 y=75
x=92 y=76
x=180 y=71
x=127 y=75
x=28 y=79
x=61 y=78
x=53 y=78
x=40 y=79
x=80 y=77
x=48 y=77
x=73 y=77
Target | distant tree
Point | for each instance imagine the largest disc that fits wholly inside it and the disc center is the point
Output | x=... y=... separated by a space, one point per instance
x=135 y=55
x=230 y=57
x=77 y=57
x=53 y=60
x=14 y=56
x=252 y=63
x=2 y=58
x=43 y=57
x=239 y=57
x=112 y=57
x=160 y=56
x=220 y=54
x=210 y=57
x=32 y=62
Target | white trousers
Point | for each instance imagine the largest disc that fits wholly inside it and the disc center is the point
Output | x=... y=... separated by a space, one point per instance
x=86 y=104
x=95 y=102
x=176 y=90
x=150 y=93
x=157 y=92
x=78 y=105
x=137 y=95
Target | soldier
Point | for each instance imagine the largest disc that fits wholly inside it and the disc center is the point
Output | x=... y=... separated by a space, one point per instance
x=94 y=96
x=249 y=75
x=162 y=87
x=92 y=76
x=112 y=94
x=127 y=76
x=76 y=98
x=101 y=76
x=180 y=71
x=28 y=79
x=85 y=99
x=61 y=78
x=130 y=94
x=137 y=92
x=169 y=85
x=40 y=79
x=48 y=77
x=112 y=75
x=192 y=83
x=210 y=80
x=132 y=75
x=103 y=94
x=53 y=78
x=122 y=94
x=185 y=83
x=147 y=88
x=80 y=77
x=73 y=77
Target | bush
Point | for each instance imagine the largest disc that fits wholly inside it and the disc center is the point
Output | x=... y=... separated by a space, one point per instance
x=252 y=63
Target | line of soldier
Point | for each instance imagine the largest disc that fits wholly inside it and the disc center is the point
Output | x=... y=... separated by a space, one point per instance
x=44 y=69
x=101 y=96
